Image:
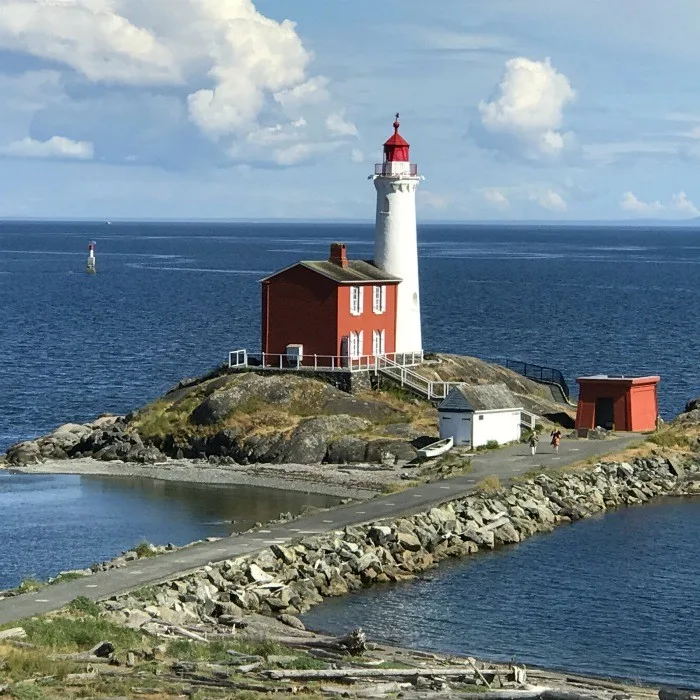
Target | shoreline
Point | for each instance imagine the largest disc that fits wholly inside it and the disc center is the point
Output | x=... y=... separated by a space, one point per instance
x=352 y=481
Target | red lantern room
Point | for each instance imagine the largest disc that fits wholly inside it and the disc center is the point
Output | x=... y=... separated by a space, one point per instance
x=396 y=148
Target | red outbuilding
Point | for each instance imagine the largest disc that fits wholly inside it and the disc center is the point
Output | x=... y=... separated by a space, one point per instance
x=329 y=312
x=623 y=403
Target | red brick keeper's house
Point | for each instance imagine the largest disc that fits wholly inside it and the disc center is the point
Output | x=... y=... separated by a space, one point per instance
x=328 y=312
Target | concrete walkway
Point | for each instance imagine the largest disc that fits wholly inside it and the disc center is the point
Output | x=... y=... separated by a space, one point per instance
x=505 y=463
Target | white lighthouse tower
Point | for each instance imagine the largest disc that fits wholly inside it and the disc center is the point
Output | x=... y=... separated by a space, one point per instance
x=396 y=239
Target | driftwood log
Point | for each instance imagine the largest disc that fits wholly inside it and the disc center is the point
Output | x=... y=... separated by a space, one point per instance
x=13 y=633
x=327 y=674
x=353 y=643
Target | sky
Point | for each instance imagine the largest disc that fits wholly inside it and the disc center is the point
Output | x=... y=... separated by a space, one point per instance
x=240 y=109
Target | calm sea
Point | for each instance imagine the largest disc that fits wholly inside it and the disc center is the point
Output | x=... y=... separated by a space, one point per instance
x=613 y=596
x=170 y=301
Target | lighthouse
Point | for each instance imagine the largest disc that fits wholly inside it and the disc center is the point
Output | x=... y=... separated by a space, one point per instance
x=91 y=265
x=396 y=241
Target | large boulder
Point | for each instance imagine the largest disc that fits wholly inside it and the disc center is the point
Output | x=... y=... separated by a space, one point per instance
x=248 y=392
x=308 y=443
x=374 y=411
x=24 y=453
x=393 y=450
x=347 y=450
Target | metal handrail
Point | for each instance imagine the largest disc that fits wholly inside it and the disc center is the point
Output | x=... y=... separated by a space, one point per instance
x=538 y=373
x=335 y=363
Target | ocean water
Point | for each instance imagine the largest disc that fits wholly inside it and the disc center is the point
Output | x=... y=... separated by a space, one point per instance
x=615 y=596
x=170 y=300
x=53 y=523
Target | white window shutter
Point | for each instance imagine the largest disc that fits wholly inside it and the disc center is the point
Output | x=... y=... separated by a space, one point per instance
x=360 y=343
x=360 y=306
x=382 y=343
x=382 y=303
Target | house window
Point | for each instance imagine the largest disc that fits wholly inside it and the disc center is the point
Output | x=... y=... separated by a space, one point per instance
x=378 y=342
x=356 y=299
x=356 y=343
x=379 y=299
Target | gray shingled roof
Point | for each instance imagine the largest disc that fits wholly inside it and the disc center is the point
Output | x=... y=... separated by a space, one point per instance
x=480 y=397
x=357 y=271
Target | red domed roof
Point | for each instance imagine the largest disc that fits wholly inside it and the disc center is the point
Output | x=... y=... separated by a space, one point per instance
x=396 y=148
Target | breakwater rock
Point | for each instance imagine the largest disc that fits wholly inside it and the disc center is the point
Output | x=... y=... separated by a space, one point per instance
x=287 y=580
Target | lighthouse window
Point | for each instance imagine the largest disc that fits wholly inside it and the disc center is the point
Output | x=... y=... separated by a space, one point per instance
x=356 y=301
x=379 y=305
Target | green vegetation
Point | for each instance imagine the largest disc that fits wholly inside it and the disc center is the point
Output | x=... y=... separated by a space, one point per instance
x=398 y=486
x=488 y=484
x=82 y=604
x=78 y=633
x=67 y=576
x=144 y=550
x=145 y=593
x=670 y=437
x=490 y=445
x=30 y=585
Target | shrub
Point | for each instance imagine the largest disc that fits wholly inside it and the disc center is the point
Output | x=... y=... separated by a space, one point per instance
x=82 y=604
x=67 y=576
x=144 y=549
x=30 y=585
x=489 y=483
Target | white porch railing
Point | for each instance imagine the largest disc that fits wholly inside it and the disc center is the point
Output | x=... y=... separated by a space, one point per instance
x=528 y=420
x=321 y=363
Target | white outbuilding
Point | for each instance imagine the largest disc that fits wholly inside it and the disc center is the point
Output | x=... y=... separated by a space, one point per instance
x=474 y=414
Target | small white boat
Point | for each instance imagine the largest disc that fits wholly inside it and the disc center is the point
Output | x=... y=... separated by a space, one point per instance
x=435 y=449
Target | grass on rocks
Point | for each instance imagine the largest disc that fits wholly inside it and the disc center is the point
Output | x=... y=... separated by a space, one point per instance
x=488 y=484
x=144 y=550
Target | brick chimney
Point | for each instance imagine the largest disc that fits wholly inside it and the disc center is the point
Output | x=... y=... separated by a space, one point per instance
x=338 y=255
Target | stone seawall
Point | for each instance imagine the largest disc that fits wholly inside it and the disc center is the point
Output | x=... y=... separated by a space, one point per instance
x=288 y=580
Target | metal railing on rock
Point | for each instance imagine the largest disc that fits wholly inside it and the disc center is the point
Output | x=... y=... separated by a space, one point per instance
x=239 y=359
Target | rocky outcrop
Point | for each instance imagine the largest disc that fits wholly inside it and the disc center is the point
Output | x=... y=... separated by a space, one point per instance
x=535 y=397
x=107 y=438
x=247 y=418
x=289 y=579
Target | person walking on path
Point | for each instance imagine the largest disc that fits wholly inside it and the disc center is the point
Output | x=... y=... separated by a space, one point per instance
x=556 y=439
x=534 y=439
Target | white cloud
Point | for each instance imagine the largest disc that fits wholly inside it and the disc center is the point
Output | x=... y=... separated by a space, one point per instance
x=88 y=35
x=337 y=124
x=357 y=156
x=434 y=200
x=529 y=107
x=550 y=200
x=55 y=147
x=679 y=206
x=237 y=70
x=496 y=199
